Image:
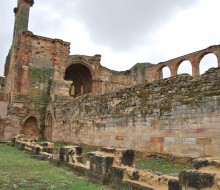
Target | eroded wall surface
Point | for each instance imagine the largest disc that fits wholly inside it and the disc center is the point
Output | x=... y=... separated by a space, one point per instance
x=178 y=115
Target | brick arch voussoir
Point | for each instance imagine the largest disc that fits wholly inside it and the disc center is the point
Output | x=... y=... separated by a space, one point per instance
x=82 y=63
x=203 y=54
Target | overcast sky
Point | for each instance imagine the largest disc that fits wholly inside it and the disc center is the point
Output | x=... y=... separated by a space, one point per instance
x=124 y=32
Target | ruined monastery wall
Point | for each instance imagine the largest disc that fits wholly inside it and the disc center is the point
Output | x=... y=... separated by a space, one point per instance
x=34 y=65
x=178 y=115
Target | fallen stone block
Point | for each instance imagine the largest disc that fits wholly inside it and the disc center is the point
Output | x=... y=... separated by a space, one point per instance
x=173 y=184
x=195 y=179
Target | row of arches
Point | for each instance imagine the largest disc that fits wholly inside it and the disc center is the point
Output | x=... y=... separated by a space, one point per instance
x=82 y=76
x=208 y=61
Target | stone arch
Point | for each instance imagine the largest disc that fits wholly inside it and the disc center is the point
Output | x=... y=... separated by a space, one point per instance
x=184 y=66
x=48 y=127
x=30 y=128
x=207 y=61
x=82 y=77
x=164 y=72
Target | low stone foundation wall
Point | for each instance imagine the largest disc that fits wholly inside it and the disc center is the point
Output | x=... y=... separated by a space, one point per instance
x=108 y=166
x=114 y=167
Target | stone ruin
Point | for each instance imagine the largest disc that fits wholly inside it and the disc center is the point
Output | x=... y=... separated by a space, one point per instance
x=48 y=93
x=115 y=167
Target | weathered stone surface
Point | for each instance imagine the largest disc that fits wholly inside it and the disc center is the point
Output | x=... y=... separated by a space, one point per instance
x=196 y=180
x=200 y=163
x=174 y=185
x=155 y=123
x=127 y=157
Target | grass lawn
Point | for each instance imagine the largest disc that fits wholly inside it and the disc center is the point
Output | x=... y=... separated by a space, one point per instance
x=162 y=166
x=19 y=171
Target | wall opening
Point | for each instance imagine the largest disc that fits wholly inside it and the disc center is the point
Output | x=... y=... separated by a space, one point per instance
x=30 y=128
x=208 y=61
x=185 y=67
x=165 y=72
x=81 y=77
x=48 y=127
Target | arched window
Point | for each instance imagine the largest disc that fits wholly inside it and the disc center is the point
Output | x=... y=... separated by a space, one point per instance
x=208 y=61
x=185 y=67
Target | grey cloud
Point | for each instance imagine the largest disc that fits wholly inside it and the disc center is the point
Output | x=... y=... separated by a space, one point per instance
x=6 y=19
x=118 y=24
x=123 y=24
x=40 y=21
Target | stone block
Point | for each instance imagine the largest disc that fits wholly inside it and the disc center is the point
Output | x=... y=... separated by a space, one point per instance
x=200 y=163
x=127 y=157
x=136 y=186
x=117 y=173
x=56 y=154
x=194 y=179
x=157 y=139
x=173 y=184
x=203 y=140
x=79 y=170
x=48 y=150
x=98 y=178
x=169 y=133
x=154 y=146
x=189 y=140
x=100 y=164
x=169 y=139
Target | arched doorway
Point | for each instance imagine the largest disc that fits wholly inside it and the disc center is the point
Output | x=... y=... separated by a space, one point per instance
x=48 y=127
x=82 y=79
x=30 y=128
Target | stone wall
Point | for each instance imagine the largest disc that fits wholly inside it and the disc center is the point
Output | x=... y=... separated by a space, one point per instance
x=33 y=67
x=179 y=115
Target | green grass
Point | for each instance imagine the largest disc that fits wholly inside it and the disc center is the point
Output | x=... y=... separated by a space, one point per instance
x=162 y=166
x=56 y=143
x=19 y=171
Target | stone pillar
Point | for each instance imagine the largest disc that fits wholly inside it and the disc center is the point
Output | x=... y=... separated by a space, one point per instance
x=155 y=74
x=218 y=57
x=173 y=70
x=195 y=67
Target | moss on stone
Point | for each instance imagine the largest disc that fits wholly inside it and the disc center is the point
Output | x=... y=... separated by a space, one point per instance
x=40 y=99
x=21 y=98
x=212 y=93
